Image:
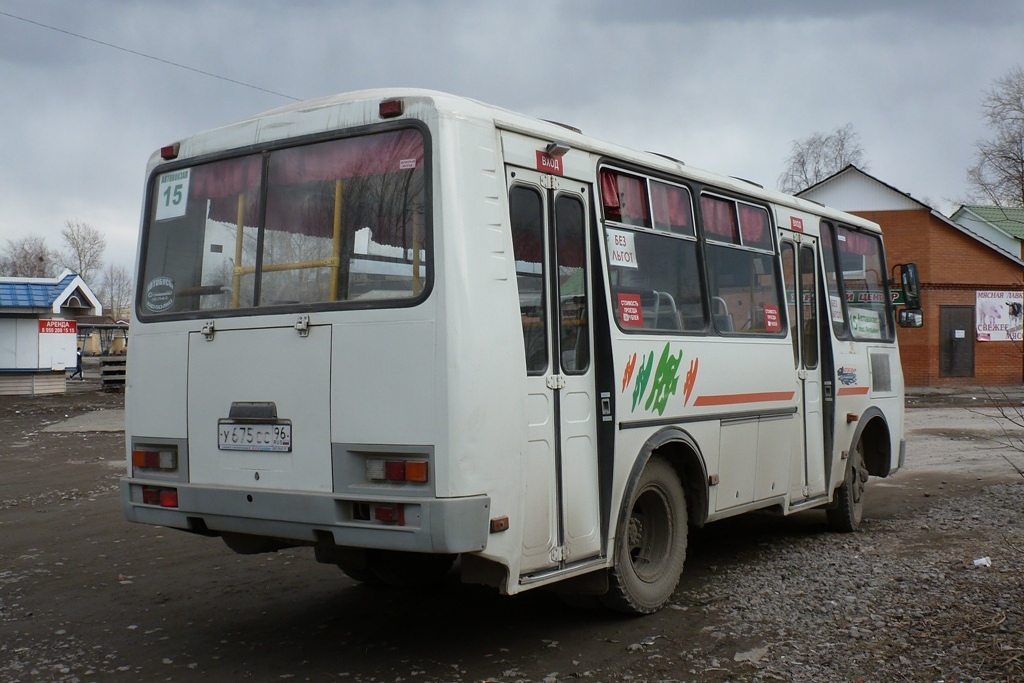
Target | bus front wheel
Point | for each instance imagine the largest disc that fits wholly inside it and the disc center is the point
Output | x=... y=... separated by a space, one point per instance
x=651 y=547
x=847 y=509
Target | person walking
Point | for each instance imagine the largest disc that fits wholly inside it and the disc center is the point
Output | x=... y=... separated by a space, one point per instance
x=78 y=367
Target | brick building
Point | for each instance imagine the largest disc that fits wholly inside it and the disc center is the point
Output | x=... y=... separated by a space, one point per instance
x=971 y=285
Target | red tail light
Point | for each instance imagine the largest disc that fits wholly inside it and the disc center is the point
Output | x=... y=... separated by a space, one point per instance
x=158 y=495
x=389 y=109
x=170 y=151
x=397 y=470
x=390 y=514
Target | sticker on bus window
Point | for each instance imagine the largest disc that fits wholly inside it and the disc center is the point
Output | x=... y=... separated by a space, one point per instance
x=172 y=194
x=772 y=322
x=835 y=305
x=621 y=251
x=160 y=294
x=630 y=312
x=407 y=164
x=865 y=322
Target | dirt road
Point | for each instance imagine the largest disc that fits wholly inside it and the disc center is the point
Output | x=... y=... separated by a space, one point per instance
x=85 y=596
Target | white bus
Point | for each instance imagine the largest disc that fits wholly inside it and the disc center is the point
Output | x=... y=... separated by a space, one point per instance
x=404 y=328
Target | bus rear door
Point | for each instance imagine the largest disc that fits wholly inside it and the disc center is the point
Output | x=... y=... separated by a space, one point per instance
x=550 y=235
x=799 y=257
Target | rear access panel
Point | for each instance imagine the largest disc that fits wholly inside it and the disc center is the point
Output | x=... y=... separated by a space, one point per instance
x=259 y=409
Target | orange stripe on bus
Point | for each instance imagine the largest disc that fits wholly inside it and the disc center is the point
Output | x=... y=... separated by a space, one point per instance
x=733 y=399
x=849 y=391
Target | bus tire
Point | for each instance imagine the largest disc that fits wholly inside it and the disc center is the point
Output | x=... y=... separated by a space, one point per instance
x=651 y=548
x=360 y=574
x=847 y=510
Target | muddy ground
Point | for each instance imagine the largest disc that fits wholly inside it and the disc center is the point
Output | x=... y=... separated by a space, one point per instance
x=86 y=596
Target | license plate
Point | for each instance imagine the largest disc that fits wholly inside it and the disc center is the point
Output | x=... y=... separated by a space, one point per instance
x=254 y=436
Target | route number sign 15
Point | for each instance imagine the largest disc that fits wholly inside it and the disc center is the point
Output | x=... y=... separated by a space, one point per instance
x=172 y=194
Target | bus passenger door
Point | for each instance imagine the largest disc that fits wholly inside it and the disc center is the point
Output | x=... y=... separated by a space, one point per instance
x=550 y=237
x=799 y=258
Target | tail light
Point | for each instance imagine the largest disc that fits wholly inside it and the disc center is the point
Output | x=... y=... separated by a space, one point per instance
x=390 y=514
x=159 y=495
x=169 y=152
x=389 y=109
x=163 y=459
x=397 y=470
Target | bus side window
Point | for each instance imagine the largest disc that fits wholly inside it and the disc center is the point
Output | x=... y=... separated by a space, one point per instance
x=654 y=270
x=742 y=270
x=574 y=333
x=789 y=277
x=836 y=306
x=526 y=212
x=808 y=307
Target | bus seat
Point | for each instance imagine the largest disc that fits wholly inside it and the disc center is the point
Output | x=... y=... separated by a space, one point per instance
x=720 y=312
x=660 y=310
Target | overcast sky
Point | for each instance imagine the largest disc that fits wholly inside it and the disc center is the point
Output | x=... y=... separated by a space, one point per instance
x=726 y=86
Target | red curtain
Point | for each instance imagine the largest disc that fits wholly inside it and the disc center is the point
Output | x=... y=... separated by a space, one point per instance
x=351 y=157
x=609 y=189
x=671 y=207
x=755 y=227
x=858 y=243
x=372 y=155
x=362 y=156
x=225 y=178
x=719 y=219
x=624 y=198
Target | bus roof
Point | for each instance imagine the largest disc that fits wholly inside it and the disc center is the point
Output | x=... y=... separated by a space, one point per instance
x=339 y=111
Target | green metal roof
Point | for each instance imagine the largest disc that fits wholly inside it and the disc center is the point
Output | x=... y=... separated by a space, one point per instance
x=1009 y=220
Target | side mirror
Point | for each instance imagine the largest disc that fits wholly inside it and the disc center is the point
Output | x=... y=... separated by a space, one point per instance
x=911 y=286
x=911 y=317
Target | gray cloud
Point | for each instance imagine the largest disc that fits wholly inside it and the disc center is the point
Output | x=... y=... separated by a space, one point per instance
x=725 y=86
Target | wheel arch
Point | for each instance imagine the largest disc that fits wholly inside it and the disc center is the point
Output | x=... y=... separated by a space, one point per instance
x=680 y=450
x=874 y=435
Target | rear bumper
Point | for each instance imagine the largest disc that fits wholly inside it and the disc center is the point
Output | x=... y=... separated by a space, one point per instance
x=428 y=525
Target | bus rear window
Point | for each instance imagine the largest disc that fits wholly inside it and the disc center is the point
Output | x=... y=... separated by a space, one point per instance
x=325 y=223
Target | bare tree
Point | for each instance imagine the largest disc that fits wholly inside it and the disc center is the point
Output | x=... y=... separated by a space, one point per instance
x=27 y=257
x=116 y=291
x=83 y=249
x=997 y=176
x=820 y=155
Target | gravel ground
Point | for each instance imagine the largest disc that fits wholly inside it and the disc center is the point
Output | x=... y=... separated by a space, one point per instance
x=902 y=600
x=84 y=596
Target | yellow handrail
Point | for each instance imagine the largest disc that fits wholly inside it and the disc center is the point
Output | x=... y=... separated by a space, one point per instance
x=278 y=267
x=417 y=239
x=236 y=283
x=335 y=268
x=334 y=262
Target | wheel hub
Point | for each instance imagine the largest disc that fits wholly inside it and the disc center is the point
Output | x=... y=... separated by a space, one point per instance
x=635 y=532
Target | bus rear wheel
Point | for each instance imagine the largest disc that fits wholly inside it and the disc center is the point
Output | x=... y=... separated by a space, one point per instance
x=847 y=510
x=400 y=569
x=651 y=548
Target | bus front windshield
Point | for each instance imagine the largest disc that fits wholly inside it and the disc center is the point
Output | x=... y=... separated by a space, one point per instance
x=341 y=222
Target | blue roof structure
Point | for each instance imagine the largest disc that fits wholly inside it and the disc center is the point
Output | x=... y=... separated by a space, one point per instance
x=39 y=294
